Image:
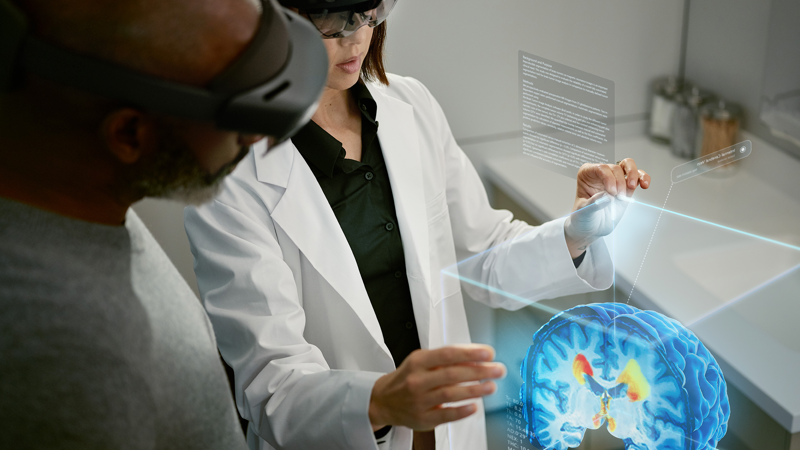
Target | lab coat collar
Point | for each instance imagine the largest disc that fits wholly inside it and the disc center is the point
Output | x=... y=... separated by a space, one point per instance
x=304 y=214
x=401 y=151
x=273 y=167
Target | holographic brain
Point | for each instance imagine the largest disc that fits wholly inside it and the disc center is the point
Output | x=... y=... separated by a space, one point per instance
x=644 y=376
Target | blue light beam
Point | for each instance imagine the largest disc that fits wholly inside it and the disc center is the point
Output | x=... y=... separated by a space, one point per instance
x=766 y=239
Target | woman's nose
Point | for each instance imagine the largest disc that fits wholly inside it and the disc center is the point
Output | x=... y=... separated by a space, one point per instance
x=359 y=36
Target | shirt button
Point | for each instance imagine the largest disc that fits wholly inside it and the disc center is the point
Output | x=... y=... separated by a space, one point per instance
x=398 y=274
x=389 y=226
x=369 y=176
x=409 y=325
x=363 y=107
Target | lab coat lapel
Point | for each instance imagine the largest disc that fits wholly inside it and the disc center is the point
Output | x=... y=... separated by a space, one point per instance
x=304 y=214
x=397 y=132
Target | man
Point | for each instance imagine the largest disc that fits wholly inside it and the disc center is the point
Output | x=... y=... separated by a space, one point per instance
x=104 y=345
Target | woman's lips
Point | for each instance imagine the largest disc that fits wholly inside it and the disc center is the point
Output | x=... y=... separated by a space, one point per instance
x=351 y=66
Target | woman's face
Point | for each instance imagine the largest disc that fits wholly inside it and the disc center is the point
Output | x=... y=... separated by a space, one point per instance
x=345 y=56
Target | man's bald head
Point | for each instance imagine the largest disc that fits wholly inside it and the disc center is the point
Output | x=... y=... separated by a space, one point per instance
x=188 y=41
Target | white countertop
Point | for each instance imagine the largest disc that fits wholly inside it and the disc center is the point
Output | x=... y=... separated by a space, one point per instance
x=738 y=292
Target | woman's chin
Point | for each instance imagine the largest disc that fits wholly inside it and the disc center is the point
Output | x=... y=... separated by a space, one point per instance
x=342 y=81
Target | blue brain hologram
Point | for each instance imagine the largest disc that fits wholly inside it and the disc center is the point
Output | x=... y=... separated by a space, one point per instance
x=644 y=376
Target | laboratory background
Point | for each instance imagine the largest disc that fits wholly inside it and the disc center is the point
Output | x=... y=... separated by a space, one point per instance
x=718 y=252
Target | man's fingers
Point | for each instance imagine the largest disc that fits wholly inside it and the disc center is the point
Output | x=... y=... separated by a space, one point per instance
x=456 y=374
x=446 y=356
x=452 y=394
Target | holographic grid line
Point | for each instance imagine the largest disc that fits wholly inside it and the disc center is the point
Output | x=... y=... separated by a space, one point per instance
x=746 y=233
x=555 y=311
x=743 y=296
x=503 y=293
x=648 y=245
x=547 y=309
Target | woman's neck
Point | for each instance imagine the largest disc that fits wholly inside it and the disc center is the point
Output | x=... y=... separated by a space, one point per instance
x=338 y=114
x=336 y=110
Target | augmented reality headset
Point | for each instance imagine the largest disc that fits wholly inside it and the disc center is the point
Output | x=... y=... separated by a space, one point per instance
x=340 y=18
x=273 y=88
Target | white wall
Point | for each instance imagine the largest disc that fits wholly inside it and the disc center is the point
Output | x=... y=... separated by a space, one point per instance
x=728 y=49
x=465 y=51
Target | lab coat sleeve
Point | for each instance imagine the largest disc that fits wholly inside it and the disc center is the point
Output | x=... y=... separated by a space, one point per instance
x=503 y=262
x=283 y=385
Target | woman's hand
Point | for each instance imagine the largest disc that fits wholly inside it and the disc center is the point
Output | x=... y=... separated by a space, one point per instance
x=614 y=179
x=599 y=201
x=415 y=394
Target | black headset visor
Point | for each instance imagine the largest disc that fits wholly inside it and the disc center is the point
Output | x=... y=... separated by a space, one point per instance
x=273 y=88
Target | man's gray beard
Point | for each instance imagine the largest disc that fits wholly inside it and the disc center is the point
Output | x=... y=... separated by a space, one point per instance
x=196 y=196
x=175 y=173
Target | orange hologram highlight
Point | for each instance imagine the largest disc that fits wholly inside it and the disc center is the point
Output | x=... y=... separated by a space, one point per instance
x=638 y=387
x=581 y=366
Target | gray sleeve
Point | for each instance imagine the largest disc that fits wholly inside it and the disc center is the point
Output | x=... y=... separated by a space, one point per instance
x=67 y=379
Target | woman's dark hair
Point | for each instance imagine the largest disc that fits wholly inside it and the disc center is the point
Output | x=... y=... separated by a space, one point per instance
x=372 y=69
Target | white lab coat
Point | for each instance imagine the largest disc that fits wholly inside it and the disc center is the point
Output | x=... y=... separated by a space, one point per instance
x=289 y=308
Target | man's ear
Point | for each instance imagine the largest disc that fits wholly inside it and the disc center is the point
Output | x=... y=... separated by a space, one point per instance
x=129 y=134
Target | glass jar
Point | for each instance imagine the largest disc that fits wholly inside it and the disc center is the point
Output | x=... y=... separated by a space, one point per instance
x=662 y=108
x=686 y=121
x=719 y=129
x=719 y=126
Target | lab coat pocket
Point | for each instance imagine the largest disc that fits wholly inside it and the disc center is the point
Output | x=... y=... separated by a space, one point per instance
x=442 y=250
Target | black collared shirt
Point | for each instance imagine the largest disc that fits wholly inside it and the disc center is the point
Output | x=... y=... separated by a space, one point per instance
x=361 y=198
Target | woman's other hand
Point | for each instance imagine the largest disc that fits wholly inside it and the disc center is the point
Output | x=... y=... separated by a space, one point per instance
x=417 y=393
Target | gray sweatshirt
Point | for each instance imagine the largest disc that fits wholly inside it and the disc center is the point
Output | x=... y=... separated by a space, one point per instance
x=102 y=343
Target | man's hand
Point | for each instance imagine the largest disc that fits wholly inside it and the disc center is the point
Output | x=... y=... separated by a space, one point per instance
x=414 y=395
x=599 y=201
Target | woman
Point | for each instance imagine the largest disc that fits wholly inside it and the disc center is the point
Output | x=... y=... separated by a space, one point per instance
x=319 y=264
